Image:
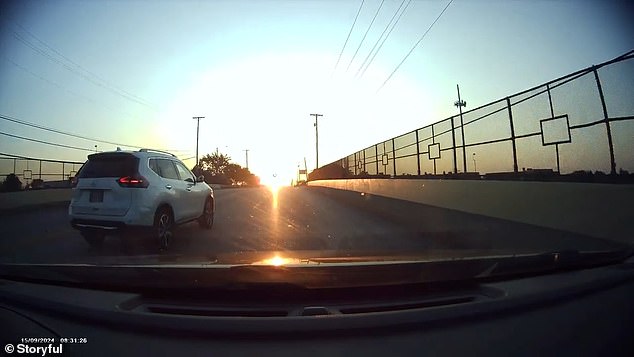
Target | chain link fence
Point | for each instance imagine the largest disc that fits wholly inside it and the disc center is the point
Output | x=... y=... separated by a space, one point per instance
x=38 y=173
x=579 y=127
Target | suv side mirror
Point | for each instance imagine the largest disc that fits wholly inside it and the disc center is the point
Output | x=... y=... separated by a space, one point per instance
x=200 y=178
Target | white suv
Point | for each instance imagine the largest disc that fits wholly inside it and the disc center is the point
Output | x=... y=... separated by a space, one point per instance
x=120 y=190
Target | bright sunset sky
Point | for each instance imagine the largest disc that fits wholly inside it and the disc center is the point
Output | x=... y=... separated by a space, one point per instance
x=135 y=72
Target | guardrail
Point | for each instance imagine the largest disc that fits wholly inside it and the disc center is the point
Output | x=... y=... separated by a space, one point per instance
x=581 y=124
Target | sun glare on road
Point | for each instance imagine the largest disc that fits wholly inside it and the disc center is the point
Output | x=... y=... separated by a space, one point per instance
x=274 y=227
x=274 y=185
x=275 y=189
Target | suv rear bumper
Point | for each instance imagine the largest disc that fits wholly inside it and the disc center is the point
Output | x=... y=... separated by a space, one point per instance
x=108 y=226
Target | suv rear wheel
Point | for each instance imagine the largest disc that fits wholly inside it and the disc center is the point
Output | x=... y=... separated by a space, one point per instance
x=206 y=220
x=163 y=226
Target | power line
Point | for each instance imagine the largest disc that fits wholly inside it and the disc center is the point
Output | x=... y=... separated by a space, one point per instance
x=44 y=79
x=49 y=143
x=349 y=33
x=57 y=131
x=415 y=45
x=45 y=142
x=386 y=37
x=22 y=122
x=380 y=37
x=11 y=156
x=80 y=67
x=69 y=68
x=96 y=80
x=366 y=33
x=88 y=76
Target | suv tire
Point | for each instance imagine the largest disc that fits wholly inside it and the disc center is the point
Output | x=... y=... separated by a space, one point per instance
x=163 y=226
x=206 y=220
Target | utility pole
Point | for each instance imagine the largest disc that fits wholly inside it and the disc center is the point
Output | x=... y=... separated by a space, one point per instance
x=316 y=140
x=246 y=151
x=197 y=132
x=461 y=103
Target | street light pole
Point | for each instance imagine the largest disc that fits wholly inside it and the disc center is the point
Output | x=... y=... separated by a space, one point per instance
x=246 y=152
x=461 y=103
x=475 y=168
x=316 y=140
x=197 y=133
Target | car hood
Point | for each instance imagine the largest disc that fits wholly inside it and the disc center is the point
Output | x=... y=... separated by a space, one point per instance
x=311 y=269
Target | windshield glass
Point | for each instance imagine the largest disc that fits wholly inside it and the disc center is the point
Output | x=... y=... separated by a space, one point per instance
x=108 y=166
x=300 y=133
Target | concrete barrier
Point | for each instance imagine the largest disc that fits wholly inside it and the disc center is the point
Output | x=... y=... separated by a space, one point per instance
x=26 y=199
x=32 y=198
x=599 y=210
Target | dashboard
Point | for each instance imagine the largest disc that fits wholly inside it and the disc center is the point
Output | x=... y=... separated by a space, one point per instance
x=577 y=312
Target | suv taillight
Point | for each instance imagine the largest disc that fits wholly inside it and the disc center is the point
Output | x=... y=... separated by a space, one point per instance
x=133 y=181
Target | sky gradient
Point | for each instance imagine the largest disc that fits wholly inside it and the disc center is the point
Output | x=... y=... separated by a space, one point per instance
x=135 y=72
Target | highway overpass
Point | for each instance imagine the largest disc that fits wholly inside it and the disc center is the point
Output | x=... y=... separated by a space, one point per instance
x=425 y=217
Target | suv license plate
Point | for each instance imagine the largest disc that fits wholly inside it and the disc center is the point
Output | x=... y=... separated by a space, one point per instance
x=96 y=196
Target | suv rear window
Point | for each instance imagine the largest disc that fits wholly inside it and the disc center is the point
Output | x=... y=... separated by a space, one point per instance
x=109 y=165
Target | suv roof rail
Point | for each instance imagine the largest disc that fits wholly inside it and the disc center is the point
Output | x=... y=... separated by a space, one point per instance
x=159 y=151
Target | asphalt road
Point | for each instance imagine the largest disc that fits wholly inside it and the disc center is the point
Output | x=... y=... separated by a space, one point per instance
x=292 y=219
x=250 y=219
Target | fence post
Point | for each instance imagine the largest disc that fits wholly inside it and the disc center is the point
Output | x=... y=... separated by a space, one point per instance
x=364 y=169
x=417 y=153
x=433 y=141
x=508 y=105
x=386 y=163
x=356 y=164
x=552 y=115
x=393 y=158
x=376 y=157
x=607 y=122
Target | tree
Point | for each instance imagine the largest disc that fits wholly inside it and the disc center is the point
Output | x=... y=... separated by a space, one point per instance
x=232 y=171
x=253 y=180
x=241 y=176
x=215 y=163
x=11 y=183
x=217 y=169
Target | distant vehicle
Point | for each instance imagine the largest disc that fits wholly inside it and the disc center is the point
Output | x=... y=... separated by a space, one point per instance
x=119 y=191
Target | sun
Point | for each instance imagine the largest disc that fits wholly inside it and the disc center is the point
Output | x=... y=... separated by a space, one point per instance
x=274 y=182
